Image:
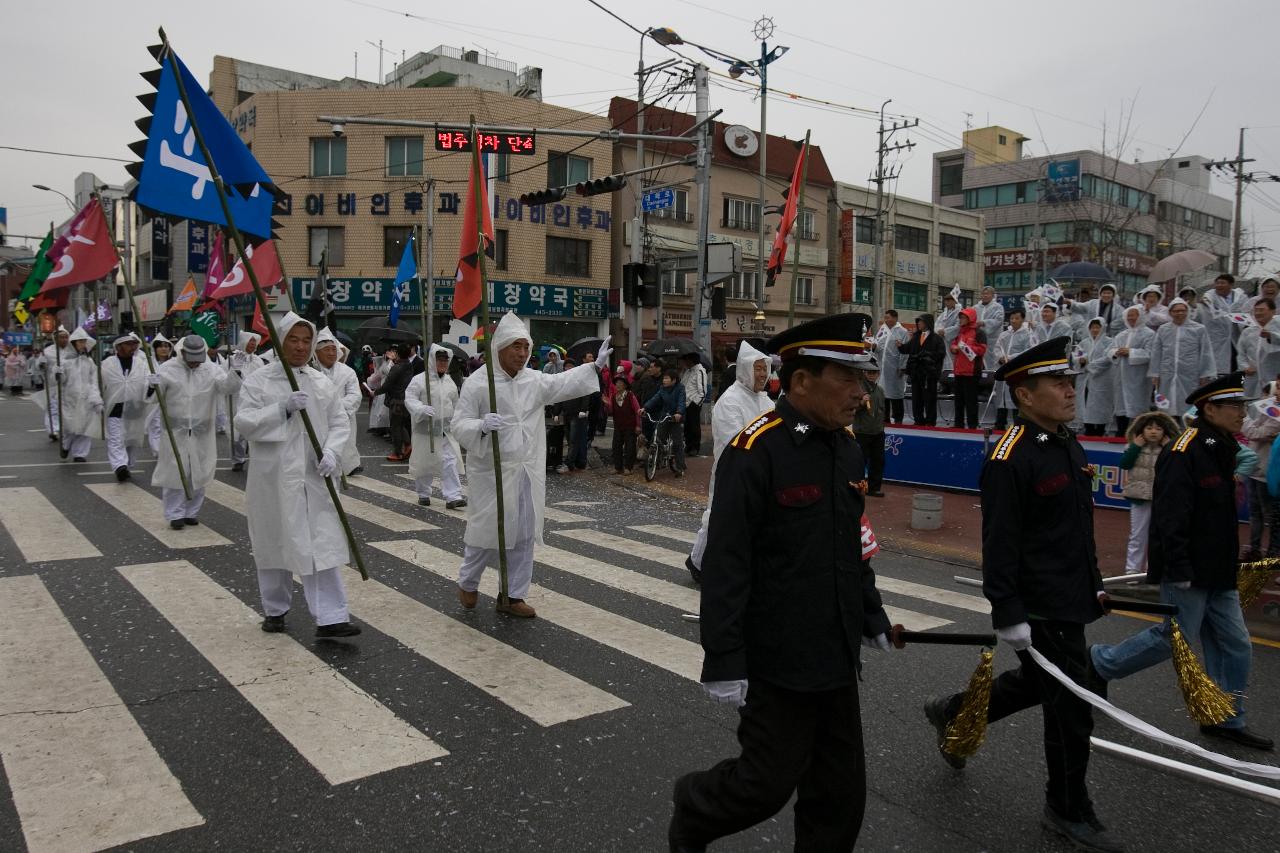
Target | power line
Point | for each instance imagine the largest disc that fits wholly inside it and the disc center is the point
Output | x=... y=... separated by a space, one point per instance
x=64 y=154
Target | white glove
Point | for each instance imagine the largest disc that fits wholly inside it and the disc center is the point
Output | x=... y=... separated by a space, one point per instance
x=97 y=407
x=1018 y=636
x=582 y=414
x=1182 y=585
x=297 y=401
x=728 y=692
x=879 y=642
x=239 y=360
x=153 y=380
x=602 y=356
x=492 y=422
x=428 y=411
x=59 y=372
x=328 y=464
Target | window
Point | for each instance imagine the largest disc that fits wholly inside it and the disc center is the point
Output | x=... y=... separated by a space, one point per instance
x=502 y=167
x=909 y=296
x=804 y=290
x=910 y=239
x=1184 y=164
x=394 y=238
x=331 y=239
x=404 y=156
x=328 y=157
x=808 y=231
x=1002 y=139
x=568 y=257
x=675 y=283
x=862 y=289
x=950 y=179
x=739 y=213
x=501 y=239
x=866 y=229
x=679 y=211
x=742 y=286
x=565 y=170
x=954 y=246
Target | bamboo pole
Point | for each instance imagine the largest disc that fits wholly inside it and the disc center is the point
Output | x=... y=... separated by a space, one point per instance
x=261 y=298
x=795 y=259
x=426 y=340
x=97 y=361
x=48 y=400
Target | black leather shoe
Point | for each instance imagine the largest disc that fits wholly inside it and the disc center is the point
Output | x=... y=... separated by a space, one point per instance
x=274 y=624
x=1080 y=833
x=458 y=504
x=237 y=466
x=79 y=459
x=359 y=469
x=424 y=501
x=694 y=571
x=1242 y=736
x=177 y=524
x=338 y=629
x=122 y=473
x=936 y=711
x=876 y=494
x=190 y=522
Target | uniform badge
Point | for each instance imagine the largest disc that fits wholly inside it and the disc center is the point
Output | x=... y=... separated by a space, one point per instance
x=1042 y=437
x=1210 y=442
x=802 y=428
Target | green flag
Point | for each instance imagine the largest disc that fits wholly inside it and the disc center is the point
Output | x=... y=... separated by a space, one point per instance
x=205 y=324
x=39 y=270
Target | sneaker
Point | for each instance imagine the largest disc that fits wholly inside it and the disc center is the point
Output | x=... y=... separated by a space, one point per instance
x=190 y=522
x=79 y=459
x=694 y=571
x=1080 y=833
x=562 y=469
x=274 y=624
x=424 y=501
x=359 y=469
x=122 y=473
x=1241 y=736
x=177 y=524
x=337 y=629
x=516 y=607
x=237 y=466
x=458 y=504
x=936 y=711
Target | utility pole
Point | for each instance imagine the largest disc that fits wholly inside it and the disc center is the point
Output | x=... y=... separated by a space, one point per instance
x=702 y=100
x=879 y=293
x=637 y=223
x=1242 y=178
x=762 y=253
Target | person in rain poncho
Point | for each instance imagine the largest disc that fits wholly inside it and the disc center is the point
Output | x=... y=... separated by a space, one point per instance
x=293 y=525
x=991 y=321
x=1095 y=396
x=1258 y=351
x=948 y=326
x=1105 y=307
x=888 y=344
x=1013 y=342
x=1268 y=287
x=15 y=367
x=739 y=404
x=1131 y=353
x=192 y=386
x=1051 y=325
x=1154 y=315
x=246 y=343
x=379 y=414
x=520 y=393
x=81 y=399
x=161 y=351
x=432 y=419
x=329 y=363
x=1181 y=358
x=1214 y=310
x=60 y=349
x=124 y=389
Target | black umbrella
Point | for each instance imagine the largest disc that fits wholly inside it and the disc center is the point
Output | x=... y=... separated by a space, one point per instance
x=345 y=340
x=376 y=330
x=578 y=349
x=455 y=351
x=1082 y=271
x=672 y=347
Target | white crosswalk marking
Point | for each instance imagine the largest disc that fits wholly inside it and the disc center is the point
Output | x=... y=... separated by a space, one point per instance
x=655 y=553
x=550 y=513
x=234 y=499
x=41 y=532
x=933 y=593
x=913 y=621
x=683 y=598
x=686 y=536
x=531 y=687
x=146 y=510
x=355 y=736
x=641 y=641
x=83 y=774
x=408 y=496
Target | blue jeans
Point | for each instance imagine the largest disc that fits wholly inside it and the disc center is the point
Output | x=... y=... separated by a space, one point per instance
x=579 y=441
x=1212 y=615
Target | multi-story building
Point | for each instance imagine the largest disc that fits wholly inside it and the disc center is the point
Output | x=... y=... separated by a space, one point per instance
x=1045 y=211
x=927 y=250
x=455 y=67
x=671 y=234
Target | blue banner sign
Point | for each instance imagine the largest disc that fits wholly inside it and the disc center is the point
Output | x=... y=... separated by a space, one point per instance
x=373 y=295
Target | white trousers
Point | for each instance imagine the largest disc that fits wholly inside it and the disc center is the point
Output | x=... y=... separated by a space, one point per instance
x=239 y=450
x=77 y=445
x=1139 y=524
x=324 y=590
x=700 y=542
x=177 y=506
x=51 y=416
x=117 y=453
x=450 y=485
x=519 y=555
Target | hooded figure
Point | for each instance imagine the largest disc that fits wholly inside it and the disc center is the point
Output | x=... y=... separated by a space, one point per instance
x=1258 y=350
x=1131 y=352
x=739 y=404
x=1095 y=396
x=890 y=344
x=192 y=386
x=1011 y=344
x=432 y=418
x=247 y=343
x=1269 y=286
x=1154 y=315
x=947 y=325
x=329 y=363
x=1051 y=325
x=60 y=350
x=293 y=525
x=520 y=394
x=1108 y=310
x=81 y=399
x=379 y=414
x=128 y=405
x=990 y=317
x=1181 y=356
x=1213 y=311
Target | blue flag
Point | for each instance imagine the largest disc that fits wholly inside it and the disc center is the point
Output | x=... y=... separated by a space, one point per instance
x=408 y=269
x=175 y=178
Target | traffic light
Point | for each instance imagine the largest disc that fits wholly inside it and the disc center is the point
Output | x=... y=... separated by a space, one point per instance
x=629 y=281
x=609 y=184
x=542 y=196
x=717 y=303
x=640 y=285
x=649 y=292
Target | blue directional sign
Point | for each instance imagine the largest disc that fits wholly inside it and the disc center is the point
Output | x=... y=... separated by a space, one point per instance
x=658 y=199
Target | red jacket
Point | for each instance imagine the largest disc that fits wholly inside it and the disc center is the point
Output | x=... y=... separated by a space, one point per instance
x=626 y=417
x=975 y=338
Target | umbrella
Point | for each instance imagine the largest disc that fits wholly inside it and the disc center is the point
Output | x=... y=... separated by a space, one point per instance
x=578 y=349
x=456 y=351
x=345 y=339
x=669 y=347
x=376 y=330
x=1083 y=271
x=1180 y=263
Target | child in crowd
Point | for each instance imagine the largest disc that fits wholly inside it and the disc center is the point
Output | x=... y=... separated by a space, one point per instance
x=1261 y=430
x=669 y=401
x=623 y=406
x=1147 y=434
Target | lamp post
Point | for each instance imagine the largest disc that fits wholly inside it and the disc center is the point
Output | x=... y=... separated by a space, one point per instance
x=65 y=197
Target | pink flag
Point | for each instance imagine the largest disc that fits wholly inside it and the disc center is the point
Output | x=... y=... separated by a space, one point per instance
x=217 y=265
x=266 y=264
x=89 y=253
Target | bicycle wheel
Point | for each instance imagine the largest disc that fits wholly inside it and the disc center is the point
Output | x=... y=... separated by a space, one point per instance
x=651 y=461
x=671 y=454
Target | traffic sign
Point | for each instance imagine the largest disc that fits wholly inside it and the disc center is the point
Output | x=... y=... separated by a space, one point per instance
x=658 y=199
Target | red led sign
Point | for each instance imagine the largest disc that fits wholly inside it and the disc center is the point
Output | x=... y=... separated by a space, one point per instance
x=506 y=143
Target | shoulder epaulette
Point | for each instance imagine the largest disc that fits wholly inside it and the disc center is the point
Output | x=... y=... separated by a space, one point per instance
x=1184 y=441
x=755 y=429
x=1004 y=447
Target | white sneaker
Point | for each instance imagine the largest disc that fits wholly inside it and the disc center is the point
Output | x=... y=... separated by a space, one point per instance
x=562 y=469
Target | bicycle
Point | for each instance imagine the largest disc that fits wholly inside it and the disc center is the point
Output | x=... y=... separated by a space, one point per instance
x=661 y=450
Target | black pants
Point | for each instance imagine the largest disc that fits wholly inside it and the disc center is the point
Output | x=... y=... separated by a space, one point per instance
x=808 y=743
x=624 y=448
x=1095 y=429
x=924 y=399
x=401 y=427
x=872 y=445
x=1122 y=425
x=966 y=402
x=1068 y=722
x=894 y=410
x=555 y=445
x=692 y=428
x=1002 y=418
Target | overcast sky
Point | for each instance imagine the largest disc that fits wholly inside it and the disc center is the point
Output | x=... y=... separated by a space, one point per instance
x=1055 y=72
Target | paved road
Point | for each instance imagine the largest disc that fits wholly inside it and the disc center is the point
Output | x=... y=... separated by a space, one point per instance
x=142 y=707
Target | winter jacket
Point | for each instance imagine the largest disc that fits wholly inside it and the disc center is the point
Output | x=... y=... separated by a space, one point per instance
x=667 y=401
x=1140 y=460
x=625 y=412
x=925 y=351
x=972 y=336
x=870 y=417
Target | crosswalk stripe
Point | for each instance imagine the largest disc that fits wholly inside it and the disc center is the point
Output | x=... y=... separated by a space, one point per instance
x=234 y=499
x=933 y=593
x=550 y=513
x=628 y=636
x=655 y=553
x=686 y=536
x=637 y=583
x=82 y=772
x=408 y=496
x=528 y=685
x=40 y=530
x=913 y=621
x=342 y=731
x=148 y=513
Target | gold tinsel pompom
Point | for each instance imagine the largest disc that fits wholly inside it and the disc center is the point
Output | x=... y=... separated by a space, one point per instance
x=1252 y=579
x=1206 y=702
x=968 y=728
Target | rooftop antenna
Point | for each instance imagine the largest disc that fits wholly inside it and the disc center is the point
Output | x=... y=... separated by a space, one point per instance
x=968 y=121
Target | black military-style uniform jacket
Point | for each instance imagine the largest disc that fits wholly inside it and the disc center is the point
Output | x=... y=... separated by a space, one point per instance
x=786 y=596
x=1038 y=555
x=1193 y=511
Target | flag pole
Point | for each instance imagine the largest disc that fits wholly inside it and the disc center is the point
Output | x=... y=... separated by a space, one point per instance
x=151 y=365
x=426 y=340
x=261 y=297
x=57 y=360
x=97 y=359
x=478 y=202
x=795 y=259
x=48 y=400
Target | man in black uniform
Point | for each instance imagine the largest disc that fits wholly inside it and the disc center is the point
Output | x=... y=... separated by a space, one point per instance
x=1040 y=573
x=786 y=603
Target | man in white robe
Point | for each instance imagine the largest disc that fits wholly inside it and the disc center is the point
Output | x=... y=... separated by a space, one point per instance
x=59 y=350
x=1181 y=359
x=330 y=364
x=991 y=321
x=81 y=399
x=124 y=389
x=246 y=343
x=430 y=419
x=1216 y=305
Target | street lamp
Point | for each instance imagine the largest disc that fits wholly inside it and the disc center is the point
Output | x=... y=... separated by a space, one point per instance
x=65 y=198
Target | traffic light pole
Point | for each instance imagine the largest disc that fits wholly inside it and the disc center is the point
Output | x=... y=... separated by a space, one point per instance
x=701 y=330
x=637 y=223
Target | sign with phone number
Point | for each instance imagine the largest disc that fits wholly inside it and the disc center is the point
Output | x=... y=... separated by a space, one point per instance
x=373 y=295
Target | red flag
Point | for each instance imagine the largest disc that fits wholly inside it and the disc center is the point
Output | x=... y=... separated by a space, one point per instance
x=467 y=286
x=89 y=254
x=789 y=213
x=217 y=264
x=259 y=325
x=266 y=263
